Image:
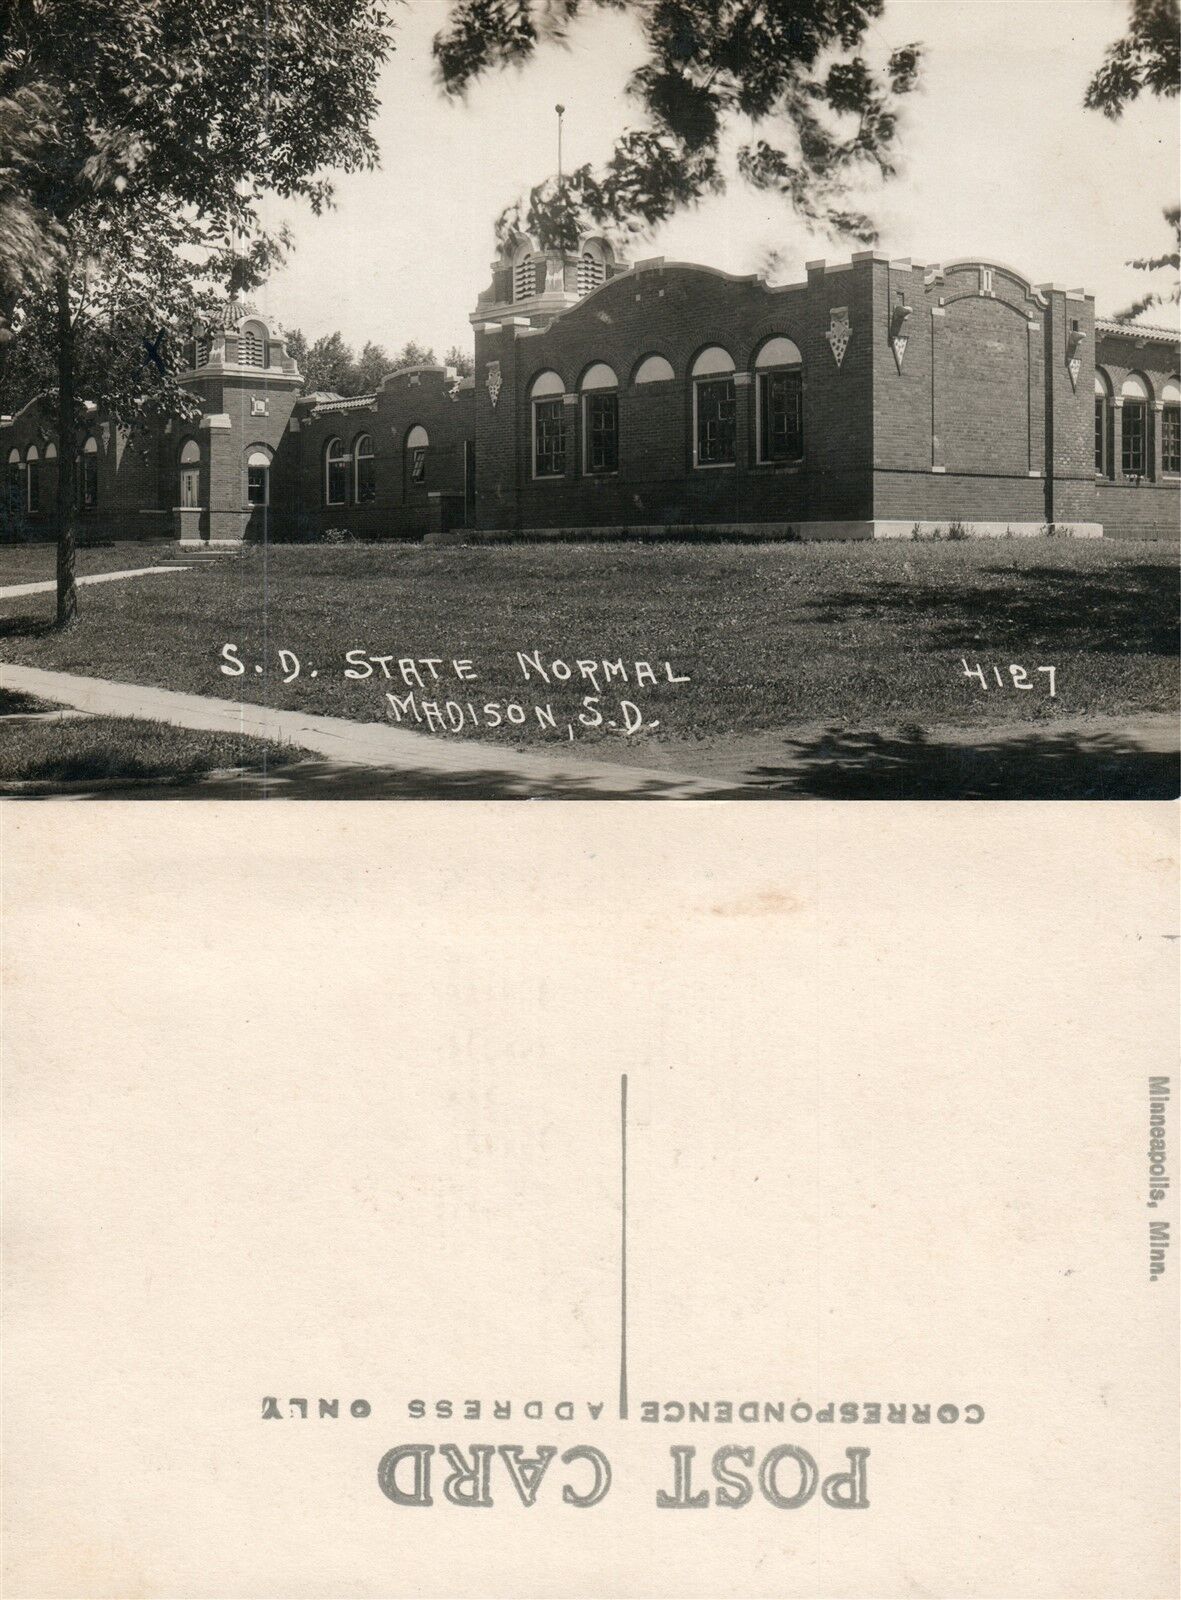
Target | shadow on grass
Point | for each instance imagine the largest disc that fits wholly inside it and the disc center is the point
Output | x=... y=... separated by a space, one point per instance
x=1118 y=610
x=15 y=702
x=331 y=780
x=27 y=627
x=839 y=765
x=906 y=765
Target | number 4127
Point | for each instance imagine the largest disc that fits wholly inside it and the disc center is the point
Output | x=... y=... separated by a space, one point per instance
x=1014 y=677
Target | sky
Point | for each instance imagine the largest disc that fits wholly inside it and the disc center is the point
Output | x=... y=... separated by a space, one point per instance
x=998 y=160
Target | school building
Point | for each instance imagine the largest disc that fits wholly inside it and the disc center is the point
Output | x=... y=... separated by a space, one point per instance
x=875 y=399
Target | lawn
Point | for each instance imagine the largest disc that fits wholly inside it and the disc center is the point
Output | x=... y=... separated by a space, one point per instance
x=857 y=635
x=37 y=563
x=94 y=749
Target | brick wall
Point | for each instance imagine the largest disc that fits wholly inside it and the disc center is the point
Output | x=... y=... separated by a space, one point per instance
x=401 y=508
x=1146 y=507
x=676 y=311
x=980 y=420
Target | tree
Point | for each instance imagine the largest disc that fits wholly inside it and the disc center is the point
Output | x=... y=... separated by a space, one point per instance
x=461 y=360
x=821 y=114
x=370 y=368
x=139 y=137
x=413 y=354
x=1148 y=57
x=1170 y=261
x=328 y=365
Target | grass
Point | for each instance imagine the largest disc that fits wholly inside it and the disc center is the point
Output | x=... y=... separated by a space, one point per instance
x=93 y=749
x=37 y=563
x=862 y=635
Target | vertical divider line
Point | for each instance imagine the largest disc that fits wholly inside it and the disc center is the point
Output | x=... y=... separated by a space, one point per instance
x=623 y=1247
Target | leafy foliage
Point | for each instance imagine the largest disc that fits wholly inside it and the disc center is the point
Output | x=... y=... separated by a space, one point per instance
x=329 y=364
x=1148 y=57
x=139 y=137
x=1169 y=261
x=823 y=116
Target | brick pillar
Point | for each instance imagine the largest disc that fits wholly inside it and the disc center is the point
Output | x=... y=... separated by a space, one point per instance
x=498 y=442
x=938 y=387
x=1117 y=438
x=572 y=417
x=1155 y=418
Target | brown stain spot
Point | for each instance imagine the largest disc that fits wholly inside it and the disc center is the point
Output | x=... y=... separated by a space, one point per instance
x=763 y=903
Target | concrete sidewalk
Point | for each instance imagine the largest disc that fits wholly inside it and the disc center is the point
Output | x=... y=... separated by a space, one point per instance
x=415 y=759
x=13 y=591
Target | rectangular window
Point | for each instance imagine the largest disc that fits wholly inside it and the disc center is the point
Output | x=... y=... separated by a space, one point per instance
x=88 y=488
x=715 y=422
x=256 y=485
x=549 y=438
x=1170 y=443
x=1100 y=435
x=418 y=465
x=601 y=422
x=1135 y=436
x=336 y=483
x=34 y=485
x=189 y=480
x=781 y=416
x=366 y=481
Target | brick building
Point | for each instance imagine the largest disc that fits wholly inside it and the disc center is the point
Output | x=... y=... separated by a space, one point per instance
x=876 y=397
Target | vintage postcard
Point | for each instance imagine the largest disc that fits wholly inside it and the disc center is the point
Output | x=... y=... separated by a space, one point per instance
x=683 y=400
x=621 y=400
x=439 y=1201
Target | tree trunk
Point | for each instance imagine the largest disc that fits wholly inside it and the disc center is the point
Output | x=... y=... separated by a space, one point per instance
x=67 y=457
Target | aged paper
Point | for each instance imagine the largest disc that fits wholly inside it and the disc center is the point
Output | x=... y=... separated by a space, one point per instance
x=321 y=1109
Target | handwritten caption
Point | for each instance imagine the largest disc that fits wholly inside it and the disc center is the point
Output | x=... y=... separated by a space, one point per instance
x=435 y=693
x=1013 y=677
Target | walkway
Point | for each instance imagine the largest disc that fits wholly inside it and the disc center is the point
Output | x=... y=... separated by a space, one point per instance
x=410 y=763
x=13 y=591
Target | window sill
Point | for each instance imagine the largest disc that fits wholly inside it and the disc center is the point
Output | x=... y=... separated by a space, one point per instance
x=714 y=466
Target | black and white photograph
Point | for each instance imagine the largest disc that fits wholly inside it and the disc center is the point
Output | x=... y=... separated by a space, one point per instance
x=620 y=400
x=496 y=400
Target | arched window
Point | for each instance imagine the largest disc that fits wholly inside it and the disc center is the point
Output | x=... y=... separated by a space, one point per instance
x=1134 y=451
x=190 y=473
x=417 y=444
x=653 y=369
x=33 y=478
x=252 y=345
x=13 y=485
x=364 y=482
x=1102 y=424
x=258 y=476
x=1170 y=421
x=600 y=419
x=713 y=408
x=549 y=426
x=779 y=401
x=88 y=476
x=335 y=473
